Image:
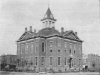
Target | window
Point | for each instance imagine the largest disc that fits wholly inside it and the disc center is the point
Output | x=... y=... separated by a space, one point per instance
x=49 y=22
x=50 y=60
x=59 y=43
x=35 y=60
x=42 y=60
x=50 y=50
x=58 y=60
x=36 y=46
x=26 y=48
x=70 y=46
x=75 y=61
x=79 y=61
x=65 y=61
x=31 y=47
x=22 y=48
x=65 y=51
x=80 y=49
x=74 y=48
x=18 y=49
x=26 y=60
x=50 y=43
x=70 y=51
x=74 y=51
x=58 y=50
x=42 y=46
x=31 y=62
x=65 y=44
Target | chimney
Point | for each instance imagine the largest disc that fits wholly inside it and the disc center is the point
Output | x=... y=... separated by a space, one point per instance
x=30 y=28
x=35 y=30
x=62 y=29
x=76 y=33
x=25 y=29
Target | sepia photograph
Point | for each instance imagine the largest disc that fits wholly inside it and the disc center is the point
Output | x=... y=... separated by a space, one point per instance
x=49 y=37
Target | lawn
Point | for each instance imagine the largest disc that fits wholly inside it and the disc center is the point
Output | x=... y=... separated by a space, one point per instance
x=24 y=73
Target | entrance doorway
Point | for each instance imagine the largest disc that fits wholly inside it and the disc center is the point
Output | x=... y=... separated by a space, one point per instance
x=70 y=63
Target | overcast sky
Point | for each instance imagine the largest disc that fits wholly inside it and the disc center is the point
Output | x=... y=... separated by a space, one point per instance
x=81 y=16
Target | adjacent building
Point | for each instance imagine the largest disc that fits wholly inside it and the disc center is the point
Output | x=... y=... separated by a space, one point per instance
x=91 y=62
x=48 y=49
x=8 y=61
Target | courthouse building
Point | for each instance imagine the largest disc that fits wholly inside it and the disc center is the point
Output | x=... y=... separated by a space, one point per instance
x=49 y=49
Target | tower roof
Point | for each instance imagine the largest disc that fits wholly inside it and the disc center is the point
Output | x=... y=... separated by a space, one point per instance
x=48 y=15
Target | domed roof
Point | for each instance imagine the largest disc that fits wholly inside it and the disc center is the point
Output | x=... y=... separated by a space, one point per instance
x=48 y=32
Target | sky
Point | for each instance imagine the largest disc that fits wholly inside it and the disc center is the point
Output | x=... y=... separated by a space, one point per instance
x=81 y=16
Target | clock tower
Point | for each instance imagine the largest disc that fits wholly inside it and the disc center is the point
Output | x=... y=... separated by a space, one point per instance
x=48 y=20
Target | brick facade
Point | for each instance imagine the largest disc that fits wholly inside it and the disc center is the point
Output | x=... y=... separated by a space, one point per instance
x=47 y=46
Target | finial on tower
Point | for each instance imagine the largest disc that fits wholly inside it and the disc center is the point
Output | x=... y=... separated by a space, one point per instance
x=48 y=3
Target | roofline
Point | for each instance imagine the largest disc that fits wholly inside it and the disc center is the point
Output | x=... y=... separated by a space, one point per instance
x=48 y=18
x=50 y=37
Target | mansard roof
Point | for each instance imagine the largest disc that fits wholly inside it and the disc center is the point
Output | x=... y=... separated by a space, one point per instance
x=48 y=15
